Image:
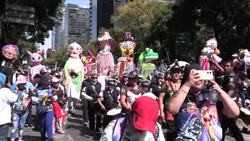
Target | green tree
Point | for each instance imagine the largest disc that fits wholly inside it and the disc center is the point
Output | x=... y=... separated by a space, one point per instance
x=46 y=14
x=59 y=56
x=137 y=17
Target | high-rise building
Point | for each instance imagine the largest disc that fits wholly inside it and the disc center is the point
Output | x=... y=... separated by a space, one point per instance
x=76 y=23
x=101 y=12
x=58 y=34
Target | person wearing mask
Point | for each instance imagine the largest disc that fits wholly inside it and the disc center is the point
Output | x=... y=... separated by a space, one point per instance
x=130 y=93
x=7 y=97
x=20 y=107
x=44 y=107
x=90 y=93
x=138 y=125
x=196 y=114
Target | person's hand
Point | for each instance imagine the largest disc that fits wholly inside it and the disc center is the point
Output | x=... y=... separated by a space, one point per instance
x=103 y=108
x=128 y=107
x=193 y=77
x=163 y=116
x=216 y=87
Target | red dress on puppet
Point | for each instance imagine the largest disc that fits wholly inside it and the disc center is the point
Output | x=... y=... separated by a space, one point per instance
x=105 y=59
x=210 y=53
x=126 y=62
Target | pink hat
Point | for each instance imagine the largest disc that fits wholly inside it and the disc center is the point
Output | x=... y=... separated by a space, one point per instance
x=21 y=79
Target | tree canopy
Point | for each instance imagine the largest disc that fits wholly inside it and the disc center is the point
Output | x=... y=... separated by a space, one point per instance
x=46 y=13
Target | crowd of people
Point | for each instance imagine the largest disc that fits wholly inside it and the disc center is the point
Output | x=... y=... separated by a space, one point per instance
x=180 y=101
x=176 y=100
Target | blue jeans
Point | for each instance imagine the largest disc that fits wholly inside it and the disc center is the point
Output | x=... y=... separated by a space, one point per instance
x=18 y=120
x=4 y=132
x=46 y=124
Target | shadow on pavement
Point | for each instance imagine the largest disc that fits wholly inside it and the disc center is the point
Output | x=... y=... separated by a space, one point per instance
x=31 y=138
x=75 y=123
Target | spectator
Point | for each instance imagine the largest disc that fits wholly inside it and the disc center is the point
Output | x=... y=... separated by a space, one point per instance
x=197 y=116
x=139 y=125
x=20 y=108
x=44 y=108
x=7 y=97
x=230 y=87
x=27 y=86
x=131 y=92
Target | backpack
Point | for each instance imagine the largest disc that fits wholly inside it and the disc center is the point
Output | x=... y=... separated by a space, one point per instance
x=21 y=104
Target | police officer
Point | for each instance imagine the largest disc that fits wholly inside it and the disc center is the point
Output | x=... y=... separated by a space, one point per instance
x=110 y=101
x=157 y=87
x=90 y=94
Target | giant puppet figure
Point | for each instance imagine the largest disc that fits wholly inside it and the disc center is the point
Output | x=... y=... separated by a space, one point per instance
x=73 y=73
x=7 y=57
x=89 y=62
x=37 y=67
x=126 y=62
x=104 y=58
x=210 y=54
x=145 y=62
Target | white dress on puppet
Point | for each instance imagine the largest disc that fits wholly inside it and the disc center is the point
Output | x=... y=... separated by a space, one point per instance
x=210 y=53
x=246 y=59
x=73 y=71
x=126 y=62
x=146 y=66
x=36 y=59
x=105 y=59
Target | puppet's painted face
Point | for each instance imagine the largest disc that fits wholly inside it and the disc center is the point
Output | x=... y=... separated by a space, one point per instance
x=74 y=50
x=212 y=46
x=127 y=48
x=36 y=57
x=150 y=55
x=10 y=51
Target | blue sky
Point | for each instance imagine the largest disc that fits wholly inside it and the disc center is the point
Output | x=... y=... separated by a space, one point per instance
x=79 y=2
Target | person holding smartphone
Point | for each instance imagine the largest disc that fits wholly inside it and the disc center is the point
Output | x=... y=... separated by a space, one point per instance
x=197 y=116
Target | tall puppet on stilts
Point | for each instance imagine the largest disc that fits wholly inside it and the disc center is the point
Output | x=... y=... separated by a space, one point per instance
x=104 y=59
x=126 y=62
x=73 y=72
x=147 y=67
x=209 y=55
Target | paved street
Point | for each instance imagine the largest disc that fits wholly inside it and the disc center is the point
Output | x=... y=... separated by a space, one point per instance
x=76 y=132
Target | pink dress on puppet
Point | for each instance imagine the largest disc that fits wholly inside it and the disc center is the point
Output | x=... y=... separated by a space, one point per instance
x=210 y=53
x=105 y=59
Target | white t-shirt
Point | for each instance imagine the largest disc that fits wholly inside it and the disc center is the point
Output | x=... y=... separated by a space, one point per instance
x=6 y=98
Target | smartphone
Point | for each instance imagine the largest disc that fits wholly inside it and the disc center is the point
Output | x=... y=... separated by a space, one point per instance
x=205 y=74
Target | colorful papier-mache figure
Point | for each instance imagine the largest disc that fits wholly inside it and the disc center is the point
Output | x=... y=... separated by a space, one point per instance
x=36 y=67
x=73 y=72
x=89 y=62
x=7 y=57
x=146 y=66
x=126 y=62
x=210 y=54
x=105 y=59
